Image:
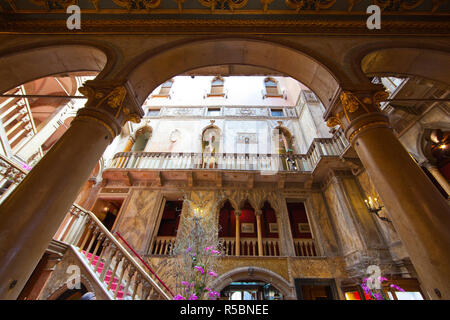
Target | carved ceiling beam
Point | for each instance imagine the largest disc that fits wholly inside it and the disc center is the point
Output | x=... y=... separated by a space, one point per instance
x=281 y=181
x=129 y=179
x=250 y=181
x=219 y=179
x=190 y=179
x=159 y=179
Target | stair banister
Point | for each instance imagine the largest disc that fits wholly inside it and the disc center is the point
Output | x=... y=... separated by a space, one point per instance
x=145 y=264
x=124 y=252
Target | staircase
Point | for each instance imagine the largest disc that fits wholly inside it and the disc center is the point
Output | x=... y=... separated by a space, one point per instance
x=115 y=269
x=97 y=248
x=107 y=280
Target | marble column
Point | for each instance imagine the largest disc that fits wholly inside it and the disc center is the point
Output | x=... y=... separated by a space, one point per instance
x=31 y=215
x=237 y=214
x=419 y=212
x=439 y=177
x=258 y=214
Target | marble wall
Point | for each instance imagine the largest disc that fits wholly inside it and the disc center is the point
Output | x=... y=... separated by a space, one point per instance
x=387 y=230
x=138 y=219
x=343 y=222
x=320 y=222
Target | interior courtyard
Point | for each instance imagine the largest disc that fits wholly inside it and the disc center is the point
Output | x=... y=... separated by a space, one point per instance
x=296 y=150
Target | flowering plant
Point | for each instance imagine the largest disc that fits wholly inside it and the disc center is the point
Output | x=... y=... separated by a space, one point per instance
x=197 y=253
x=374 y=295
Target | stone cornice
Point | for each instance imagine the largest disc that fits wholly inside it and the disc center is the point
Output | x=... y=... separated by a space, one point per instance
x=439 y=26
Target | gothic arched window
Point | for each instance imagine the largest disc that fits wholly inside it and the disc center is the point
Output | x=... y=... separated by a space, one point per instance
x=210 y=146
x=271 y=86
x=217 y=87
x=143 y=135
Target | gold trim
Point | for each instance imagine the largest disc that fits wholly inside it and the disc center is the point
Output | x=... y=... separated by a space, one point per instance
x=147 y=4
x=210 y=26
x=363 y=127
x=103 y=123
x=349 y=101
x=333 y=121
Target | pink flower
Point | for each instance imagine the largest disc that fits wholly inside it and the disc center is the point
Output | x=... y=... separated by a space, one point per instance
x=213 y=294
x=199 y=269
x=209 y=248
x=179 y=297
x=378 y=296
x=397 y=288
x=215 y=252
x=193 y=297
x=212 y=273
x=26 y=167
x=185 y=283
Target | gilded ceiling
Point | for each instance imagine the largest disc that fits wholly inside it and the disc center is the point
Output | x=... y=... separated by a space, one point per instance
x=222 y=6
x=248 y=16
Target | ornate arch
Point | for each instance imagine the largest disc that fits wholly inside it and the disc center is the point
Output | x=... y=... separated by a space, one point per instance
x=287 y=134
x=144 y=129
x=63 y=288
x=409 y=61
x=229 y=51
x=256 y=273
x=59 y=58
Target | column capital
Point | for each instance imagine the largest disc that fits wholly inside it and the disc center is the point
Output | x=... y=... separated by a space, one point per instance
x=258 y=212
x=237 y=213
x=358 y=111
x=110 y=103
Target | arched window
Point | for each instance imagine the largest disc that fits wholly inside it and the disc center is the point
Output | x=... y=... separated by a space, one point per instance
x=211 y=140
x=271 y=86
x=284 y=146
x=284 y=141
x=143 y=135
x=217 y=87
x=210 y=146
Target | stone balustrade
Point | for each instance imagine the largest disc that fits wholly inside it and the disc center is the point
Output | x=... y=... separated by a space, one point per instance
x=270 y=163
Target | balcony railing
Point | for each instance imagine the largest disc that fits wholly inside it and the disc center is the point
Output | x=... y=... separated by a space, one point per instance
x=269 y=163
x=121 y=275
x=249 y=247
x=163 y=246
x=305 y=248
